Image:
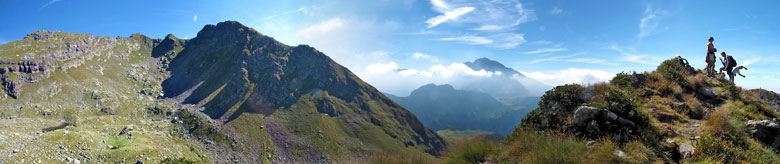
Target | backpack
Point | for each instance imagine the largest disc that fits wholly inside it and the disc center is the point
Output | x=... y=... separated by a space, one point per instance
x=732 y=62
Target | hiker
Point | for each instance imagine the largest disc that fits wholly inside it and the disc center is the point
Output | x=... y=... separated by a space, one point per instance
x=710 y=69
x=736 y=70
x=728 y=64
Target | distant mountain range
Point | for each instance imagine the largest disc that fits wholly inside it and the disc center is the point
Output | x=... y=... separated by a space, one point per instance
x=496 y=103
x=443 y=107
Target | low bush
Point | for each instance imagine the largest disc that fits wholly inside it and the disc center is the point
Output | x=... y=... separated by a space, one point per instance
x=673 y=70
x=625 y=80
x=555 y=108
x=624 y=104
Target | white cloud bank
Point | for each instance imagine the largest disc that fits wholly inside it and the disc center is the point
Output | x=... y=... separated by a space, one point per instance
x=569 y=76
x=390 y=77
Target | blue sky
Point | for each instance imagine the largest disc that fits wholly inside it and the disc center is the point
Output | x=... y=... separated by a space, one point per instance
x=398 y=45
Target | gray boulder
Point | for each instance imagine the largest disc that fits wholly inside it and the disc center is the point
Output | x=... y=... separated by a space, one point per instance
x=685 y=150
x=765 y=131
x=585 y=114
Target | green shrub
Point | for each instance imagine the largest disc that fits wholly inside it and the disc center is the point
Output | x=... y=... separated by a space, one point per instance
x=672 y=69
x=555 y=108
x=624 y=104
x=625 y=80
x=199 y=126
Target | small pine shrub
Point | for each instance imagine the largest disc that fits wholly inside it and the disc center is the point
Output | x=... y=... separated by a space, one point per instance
x=673 y=70
x=625 y=80
x=624 y=104
x=555 y=108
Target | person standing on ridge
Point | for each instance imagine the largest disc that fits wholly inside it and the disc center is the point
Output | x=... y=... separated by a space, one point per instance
x=710 y=69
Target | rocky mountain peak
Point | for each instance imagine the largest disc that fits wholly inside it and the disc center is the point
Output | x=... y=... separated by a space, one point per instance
x=228 y=29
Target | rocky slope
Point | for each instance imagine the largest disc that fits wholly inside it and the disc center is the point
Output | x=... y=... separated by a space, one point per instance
x=443 y=107
x=230 y=94
x=675 y=114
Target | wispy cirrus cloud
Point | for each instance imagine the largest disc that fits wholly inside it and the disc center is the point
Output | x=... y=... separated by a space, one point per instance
x=501 y=40
x=418 y=56
x=49 y=4
x=629 y=55
x=469 y=39
x=489 y=15
x=448 y=15
x=556 y=11
x=299 y=10
x=750 y=61
x=544 y=50
x=651 y=18
x=554 y=58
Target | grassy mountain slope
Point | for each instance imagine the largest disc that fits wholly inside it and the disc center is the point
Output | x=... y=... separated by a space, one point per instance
x=230 y=94
x=99 y=86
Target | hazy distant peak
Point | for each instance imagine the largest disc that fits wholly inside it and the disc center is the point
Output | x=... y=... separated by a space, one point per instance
x=492 y=66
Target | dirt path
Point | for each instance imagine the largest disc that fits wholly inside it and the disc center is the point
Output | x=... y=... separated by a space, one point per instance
x=691 y=130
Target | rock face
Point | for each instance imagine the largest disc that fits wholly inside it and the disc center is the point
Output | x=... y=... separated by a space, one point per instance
x=10 y=87
x=686 y=66
x=596 y=120
x=766 y=131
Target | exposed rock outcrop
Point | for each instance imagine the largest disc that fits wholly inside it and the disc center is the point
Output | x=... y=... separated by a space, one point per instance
x=765 y=131
x=585 y=114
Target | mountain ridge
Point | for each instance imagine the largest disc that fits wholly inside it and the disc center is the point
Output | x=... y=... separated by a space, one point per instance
x=230 y=94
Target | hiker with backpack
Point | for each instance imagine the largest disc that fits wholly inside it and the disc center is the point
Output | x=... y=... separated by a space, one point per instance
x=710 y=69
x=728 y=64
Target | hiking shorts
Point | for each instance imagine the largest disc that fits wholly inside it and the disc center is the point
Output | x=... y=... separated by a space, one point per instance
x=728 y=70
x=710 y=57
